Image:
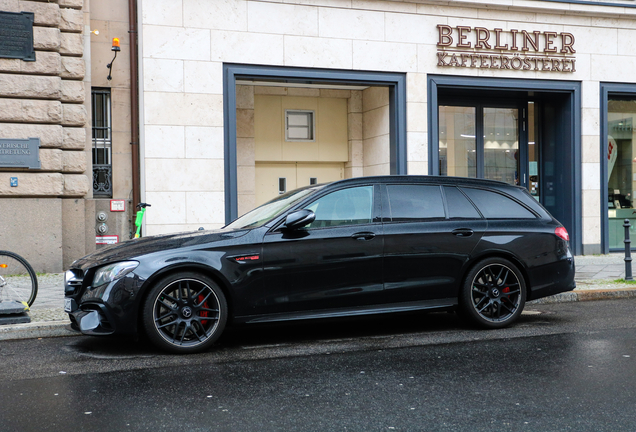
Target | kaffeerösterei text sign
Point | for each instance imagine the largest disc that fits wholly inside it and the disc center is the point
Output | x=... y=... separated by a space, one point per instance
x=479 y=47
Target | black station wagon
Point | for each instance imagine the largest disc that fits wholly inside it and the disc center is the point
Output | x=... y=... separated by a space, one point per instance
x=361 y=246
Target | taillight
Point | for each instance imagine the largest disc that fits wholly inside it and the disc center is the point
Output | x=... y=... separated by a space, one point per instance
x=562 y=233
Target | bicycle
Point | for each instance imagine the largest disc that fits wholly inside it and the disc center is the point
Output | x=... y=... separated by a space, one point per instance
x=140 y=217
x=18 y=281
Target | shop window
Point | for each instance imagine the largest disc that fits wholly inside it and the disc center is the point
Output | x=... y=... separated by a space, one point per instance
x=102 y=143
x=299 y=125
x=621 y=167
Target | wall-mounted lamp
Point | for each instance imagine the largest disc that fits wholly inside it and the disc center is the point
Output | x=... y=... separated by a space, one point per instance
x=95 y=32
x=115 y=48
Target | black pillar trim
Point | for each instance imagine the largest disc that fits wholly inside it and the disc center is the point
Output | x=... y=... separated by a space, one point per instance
x=396 y=82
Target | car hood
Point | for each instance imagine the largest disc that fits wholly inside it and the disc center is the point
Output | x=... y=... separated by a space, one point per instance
x=130 y=249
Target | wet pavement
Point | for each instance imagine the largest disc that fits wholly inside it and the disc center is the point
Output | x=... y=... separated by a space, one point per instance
x=562 y=367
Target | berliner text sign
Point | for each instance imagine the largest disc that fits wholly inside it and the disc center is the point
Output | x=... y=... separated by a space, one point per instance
x=479 y=47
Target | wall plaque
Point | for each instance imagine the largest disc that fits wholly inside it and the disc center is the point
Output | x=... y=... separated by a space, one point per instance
x=16 y=35
x=20 y=153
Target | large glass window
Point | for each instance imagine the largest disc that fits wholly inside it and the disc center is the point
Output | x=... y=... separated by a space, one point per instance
x=457 y=142
x=621 y=167
x=501 y=144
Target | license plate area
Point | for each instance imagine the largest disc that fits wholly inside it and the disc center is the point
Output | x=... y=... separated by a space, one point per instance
x=69 y=305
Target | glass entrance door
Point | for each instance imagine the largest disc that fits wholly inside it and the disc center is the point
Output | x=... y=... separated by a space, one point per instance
x=481 y=141
x=501 y=144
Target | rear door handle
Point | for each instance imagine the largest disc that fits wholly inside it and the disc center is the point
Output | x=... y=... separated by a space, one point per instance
x=463 y=232
x=363 y=236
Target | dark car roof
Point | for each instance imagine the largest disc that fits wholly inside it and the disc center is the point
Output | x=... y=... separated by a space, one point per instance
x=463 y=181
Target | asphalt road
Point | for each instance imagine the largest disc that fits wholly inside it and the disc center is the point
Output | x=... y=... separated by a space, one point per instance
x=569 y=366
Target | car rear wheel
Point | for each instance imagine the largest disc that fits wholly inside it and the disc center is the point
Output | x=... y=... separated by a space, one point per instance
x=493 y=294
x=185 y=313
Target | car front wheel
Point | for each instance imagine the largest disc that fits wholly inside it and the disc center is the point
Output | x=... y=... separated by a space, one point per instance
x=493 y=294
x=185 y=313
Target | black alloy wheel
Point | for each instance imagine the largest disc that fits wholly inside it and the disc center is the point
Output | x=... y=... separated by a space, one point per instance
x=185 y=313
x=493 y=294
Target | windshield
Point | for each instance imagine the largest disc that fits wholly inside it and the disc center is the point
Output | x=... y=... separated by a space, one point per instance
x=261 y=215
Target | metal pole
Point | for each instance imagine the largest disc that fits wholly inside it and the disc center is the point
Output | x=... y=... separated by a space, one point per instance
x=628 y=252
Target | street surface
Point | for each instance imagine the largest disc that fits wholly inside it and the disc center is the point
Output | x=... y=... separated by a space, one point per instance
x=567 y=366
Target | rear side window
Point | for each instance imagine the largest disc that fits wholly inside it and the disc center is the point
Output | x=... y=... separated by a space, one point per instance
x=458 y=205
x=497 y=206
x=415 y=202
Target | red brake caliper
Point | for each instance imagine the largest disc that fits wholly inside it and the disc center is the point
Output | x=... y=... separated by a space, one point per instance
x=203 y=313
x=506 y=290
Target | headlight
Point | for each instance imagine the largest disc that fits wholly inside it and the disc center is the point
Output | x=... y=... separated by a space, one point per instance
x=112 y=272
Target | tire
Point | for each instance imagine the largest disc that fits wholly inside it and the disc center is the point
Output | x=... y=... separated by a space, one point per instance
x=493 y=294
x=184 y=313
x=18 y=281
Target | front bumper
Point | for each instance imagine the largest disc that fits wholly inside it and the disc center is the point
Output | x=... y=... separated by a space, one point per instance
x=91 y=321
x=111 y=309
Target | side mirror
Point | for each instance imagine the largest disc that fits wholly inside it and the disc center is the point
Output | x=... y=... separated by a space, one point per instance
x=299 y=219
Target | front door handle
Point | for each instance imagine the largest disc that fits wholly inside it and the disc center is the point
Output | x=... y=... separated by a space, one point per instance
x=463 y=232
x=363 y=236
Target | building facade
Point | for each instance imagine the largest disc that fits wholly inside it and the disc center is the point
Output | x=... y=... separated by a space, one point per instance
x=236 y=101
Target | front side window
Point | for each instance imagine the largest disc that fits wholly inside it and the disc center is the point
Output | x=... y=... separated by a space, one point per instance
x=344 y=207
x=409 y=203
x=494 y=205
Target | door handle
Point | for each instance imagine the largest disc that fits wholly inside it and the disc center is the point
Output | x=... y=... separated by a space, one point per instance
x=363 y=236
x=463 y=232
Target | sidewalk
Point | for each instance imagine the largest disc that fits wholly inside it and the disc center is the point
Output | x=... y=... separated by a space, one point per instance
x=595 y=276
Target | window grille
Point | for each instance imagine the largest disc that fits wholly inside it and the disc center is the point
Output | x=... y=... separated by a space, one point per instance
x=102 y=143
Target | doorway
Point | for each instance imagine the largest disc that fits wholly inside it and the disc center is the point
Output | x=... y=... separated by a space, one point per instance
x=522 y=132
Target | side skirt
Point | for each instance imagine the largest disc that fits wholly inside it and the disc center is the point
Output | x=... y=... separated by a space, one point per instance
x=349 y=312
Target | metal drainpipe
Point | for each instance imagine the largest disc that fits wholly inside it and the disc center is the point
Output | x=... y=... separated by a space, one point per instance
x=134 y=101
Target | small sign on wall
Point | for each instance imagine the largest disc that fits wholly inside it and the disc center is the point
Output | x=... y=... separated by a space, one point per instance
x=20 y=153
x=117 y=205
x=106 y=240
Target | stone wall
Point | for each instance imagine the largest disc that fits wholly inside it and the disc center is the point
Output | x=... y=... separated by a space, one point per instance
x=45 y=99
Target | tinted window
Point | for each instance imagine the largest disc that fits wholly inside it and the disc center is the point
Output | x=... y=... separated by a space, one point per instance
x=415 y=202
x=343 y=207
x=496 y=206
x=458 y=206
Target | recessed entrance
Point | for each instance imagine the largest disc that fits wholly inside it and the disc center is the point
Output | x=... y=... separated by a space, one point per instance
x=520 y=132
x=280 y=129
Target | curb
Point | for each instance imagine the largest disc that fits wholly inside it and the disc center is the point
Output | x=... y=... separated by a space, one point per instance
x=35 y=330
x=46 y=329
x=588 y=295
